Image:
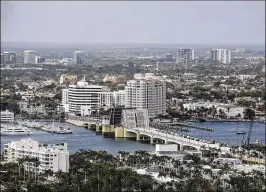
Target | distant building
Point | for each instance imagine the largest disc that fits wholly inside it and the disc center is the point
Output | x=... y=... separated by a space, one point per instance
x=2 y=58
x=9 y=57
x=78 y=58
x=165 y=66
x=146 y=92
x=6 y=116
x=169 y=57
x=39 y=60
x=51 y=156
x=222 y=55
x=184 y=56
x=68 y=79
x=29 y=57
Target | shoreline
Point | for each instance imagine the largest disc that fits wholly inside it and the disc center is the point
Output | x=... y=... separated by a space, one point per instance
x=221 y=121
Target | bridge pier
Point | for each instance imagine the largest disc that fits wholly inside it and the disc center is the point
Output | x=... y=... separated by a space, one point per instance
x=181 y=147
x=151 y=140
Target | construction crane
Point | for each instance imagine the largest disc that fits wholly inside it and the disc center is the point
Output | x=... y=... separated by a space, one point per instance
x=250 y=114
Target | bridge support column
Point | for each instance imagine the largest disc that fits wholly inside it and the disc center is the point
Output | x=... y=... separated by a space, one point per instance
x=181 y=147
x=138 y=137
x=151 y=140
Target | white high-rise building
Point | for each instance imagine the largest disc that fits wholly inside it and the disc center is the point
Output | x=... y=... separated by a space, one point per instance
x=222 y=55
x=82 y=94
x=119 y=98
x=146 y=92
x=51 y=156
x=29 y=57
x=184 y=56
x=106 y=98
x=78 y=58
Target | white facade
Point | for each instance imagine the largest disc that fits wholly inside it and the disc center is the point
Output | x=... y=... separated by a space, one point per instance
x=106 y=98
x=51 y=156
x=119 y=98
x=146 y=92
x=83 y=94
x=64 y=96
x=222 y=55
x=184 y=55
x=7 y=116
x=33 y=109
x=29 y=57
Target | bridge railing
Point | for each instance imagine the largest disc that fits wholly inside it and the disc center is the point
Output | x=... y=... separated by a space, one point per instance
x=174 y=136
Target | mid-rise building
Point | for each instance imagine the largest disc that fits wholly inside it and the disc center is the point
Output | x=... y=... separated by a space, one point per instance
x=68 y=79
x=119 y=98
x=6 y=116
x=78 y=58
x=39 y=60
x=222 y=55
x=146 y=92
x=83 y=94
x=29 y=57
x=184 y=56
x=9 y=57
x=106 y=98
x=53 y=157
x=65 y=96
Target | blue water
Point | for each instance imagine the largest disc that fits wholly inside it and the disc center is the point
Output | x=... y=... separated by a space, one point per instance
x=225 y=132
x=86 y=139
x=83 y=139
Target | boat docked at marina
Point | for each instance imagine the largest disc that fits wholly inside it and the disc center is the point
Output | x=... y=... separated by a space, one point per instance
x=15 y=130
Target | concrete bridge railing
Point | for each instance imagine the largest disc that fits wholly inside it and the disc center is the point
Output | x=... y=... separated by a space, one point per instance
x=153 y=133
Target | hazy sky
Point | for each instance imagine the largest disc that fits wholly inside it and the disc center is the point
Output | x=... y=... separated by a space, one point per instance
x=198 y=22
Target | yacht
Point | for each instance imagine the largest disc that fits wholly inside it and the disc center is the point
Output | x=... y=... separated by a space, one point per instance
x=15 y=130
x=62 y=130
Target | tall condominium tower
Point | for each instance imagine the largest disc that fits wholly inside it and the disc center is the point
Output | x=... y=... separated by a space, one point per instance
x=222 y=55
x=78 y=58
x=184 y=56
x=146 y=92
x=29 y=57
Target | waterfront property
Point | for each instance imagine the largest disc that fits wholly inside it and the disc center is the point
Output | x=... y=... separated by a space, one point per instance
x=6 y=116
x=51 y=156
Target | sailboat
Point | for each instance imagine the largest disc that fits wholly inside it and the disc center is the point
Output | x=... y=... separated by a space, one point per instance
x=238 y=132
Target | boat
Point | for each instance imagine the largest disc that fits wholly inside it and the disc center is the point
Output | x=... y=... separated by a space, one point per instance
x=15 y=130
x=240 y=132
x=62 y=130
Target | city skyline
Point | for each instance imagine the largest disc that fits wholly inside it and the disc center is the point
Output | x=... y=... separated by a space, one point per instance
x=134 y=22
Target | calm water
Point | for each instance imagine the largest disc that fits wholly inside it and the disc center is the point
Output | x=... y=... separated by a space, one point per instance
x=85 y=139
x=225 y=132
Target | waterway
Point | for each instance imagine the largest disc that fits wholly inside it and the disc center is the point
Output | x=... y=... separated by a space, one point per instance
x=82 y=139
x=224 y=132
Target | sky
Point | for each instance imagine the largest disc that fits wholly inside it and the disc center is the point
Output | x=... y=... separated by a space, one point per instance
x=193 y=22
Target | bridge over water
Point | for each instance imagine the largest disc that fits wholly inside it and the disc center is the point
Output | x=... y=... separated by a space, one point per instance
x=170 y=137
